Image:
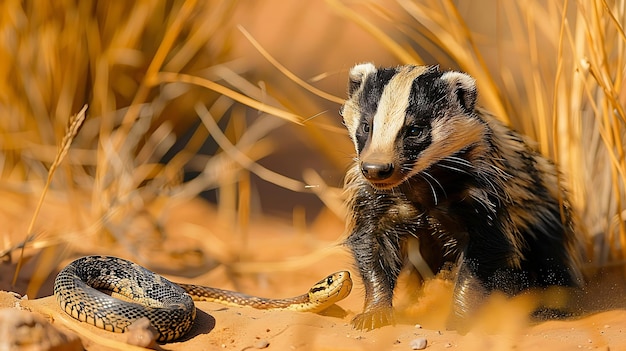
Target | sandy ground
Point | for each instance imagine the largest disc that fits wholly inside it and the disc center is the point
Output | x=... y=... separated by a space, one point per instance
x=275 y=260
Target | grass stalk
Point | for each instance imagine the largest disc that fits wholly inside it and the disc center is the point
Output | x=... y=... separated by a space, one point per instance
x=74 y=125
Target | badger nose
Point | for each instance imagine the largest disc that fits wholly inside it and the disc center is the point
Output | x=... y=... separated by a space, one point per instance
x=377 y=171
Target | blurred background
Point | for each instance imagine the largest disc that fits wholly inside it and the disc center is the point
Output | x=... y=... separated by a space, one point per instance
x=236 y=103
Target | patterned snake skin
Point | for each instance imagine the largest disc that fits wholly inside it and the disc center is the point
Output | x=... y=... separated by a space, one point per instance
x=169 y=307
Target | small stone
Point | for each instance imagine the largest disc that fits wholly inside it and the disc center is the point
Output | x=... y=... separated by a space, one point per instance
x=261 y=344
x=418 y=344
x=418 y=326
x=142 y=333
x=447 y=345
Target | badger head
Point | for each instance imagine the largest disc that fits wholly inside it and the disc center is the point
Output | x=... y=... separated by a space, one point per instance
x=405 y=119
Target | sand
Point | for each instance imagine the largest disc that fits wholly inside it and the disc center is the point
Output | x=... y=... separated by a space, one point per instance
x=279 y=261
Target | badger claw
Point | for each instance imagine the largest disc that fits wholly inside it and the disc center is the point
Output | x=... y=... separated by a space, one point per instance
x=373 y=319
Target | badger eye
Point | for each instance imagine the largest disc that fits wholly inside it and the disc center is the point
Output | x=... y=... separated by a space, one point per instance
x=365 y=127
x=416 y=130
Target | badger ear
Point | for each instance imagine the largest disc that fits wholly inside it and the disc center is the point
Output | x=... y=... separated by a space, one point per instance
x=357 y=76
x=463 y=86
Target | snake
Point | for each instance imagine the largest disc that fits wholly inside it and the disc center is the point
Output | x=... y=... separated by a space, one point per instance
x=86 y=289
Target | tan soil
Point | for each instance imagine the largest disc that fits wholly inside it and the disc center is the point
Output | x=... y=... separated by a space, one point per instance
x=279 y=262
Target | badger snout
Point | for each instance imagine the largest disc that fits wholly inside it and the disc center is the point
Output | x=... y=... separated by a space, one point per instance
x=376 y=171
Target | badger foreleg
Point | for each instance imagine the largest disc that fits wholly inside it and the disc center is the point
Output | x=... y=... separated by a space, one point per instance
x=379 y=256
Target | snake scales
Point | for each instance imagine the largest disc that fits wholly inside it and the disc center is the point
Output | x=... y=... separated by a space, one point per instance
x=169 y=306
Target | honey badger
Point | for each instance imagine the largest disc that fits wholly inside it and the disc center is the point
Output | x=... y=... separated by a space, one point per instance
x=432 y=165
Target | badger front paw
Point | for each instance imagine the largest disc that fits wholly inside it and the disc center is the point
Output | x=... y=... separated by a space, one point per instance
x=373 y=319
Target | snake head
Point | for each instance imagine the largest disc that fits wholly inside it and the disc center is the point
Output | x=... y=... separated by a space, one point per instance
x=330 y=290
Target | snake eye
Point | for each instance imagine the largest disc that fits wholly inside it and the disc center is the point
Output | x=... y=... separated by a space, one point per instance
x=329 y=280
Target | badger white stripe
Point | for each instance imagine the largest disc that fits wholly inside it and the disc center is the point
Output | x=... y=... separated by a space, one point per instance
x=389 y=117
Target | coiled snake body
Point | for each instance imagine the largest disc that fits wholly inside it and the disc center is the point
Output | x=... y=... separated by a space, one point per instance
x=167 y=305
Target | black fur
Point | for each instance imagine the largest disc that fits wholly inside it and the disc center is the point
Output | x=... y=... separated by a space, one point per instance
x=488 y=206
x=369 y=98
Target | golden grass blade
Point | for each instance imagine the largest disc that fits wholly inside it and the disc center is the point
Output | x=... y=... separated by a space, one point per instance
x=598 y=41
x=214 y=17
x=168 y=41
x=403 y=55
x=73 y=127
x=241 y=158
x=171 y=77
x=454 y=37
x=191 y=148
x=251 y=143
x=47 y=262
x=555 y=119
x=286 y=72
x=618 y=25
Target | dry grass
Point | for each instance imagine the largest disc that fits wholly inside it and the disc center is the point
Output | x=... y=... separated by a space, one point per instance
x=150 y=70
x=556 y=73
